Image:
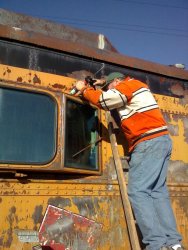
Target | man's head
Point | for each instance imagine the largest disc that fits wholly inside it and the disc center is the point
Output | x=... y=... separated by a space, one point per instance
x=113 y=79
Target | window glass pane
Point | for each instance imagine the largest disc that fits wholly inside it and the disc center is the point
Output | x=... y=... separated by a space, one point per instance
x=27 y=127
x=81 y=151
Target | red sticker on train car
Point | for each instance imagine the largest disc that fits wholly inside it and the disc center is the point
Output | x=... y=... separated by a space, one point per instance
x=64 y=230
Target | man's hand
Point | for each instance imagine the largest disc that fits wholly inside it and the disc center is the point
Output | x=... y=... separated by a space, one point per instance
x=80 y=85
x=99 y=82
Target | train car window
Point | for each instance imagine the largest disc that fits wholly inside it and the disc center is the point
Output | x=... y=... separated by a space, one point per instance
x=81 y=150
x=28 y=124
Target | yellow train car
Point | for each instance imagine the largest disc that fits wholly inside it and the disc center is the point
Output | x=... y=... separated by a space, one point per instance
x=55 y=152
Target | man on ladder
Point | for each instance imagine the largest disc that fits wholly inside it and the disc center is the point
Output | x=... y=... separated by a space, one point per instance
x=149 y=148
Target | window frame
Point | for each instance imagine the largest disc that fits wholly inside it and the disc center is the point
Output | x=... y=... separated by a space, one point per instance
x=56 y=164
x=9 y=166
x=81 y=170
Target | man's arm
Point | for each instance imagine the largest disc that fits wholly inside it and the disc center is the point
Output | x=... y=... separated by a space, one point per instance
x=108 y=100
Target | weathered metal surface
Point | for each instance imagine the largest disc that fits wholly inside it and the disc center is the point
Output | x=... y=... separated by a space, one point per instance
x=24 y=196
x=41 y=38
x=175 y=111
x=26 y=210
x=36 y=78
x=55 y=30
x=180 y=203
x=54 y=188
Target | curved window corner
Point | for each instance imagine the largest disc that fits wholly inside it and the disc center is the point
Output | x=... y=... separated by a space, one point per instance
x=28 y=127
x=81 y=136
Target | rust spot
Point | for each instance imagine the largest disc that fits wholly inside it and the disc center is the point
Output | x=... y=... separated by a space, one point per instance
x=0 y=199
x=185 y=122
x=85 y=206
x=177 y=89
x=60 y=202
x=7 y=184
x=37 y=215
x=183 y=204
x=8 y=70
x=10 y=218
x=166 y=116
x=176 y=117
x=10 y=238
x=19 y=79
x=1 y=241
x=13 y=210
x=36 y=79
x=58 y=86
x=174 y=130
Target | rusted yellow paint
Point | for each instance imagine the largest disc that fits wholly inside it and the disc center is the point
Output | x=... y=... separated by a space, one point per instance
x=168 y=104
x=172 y=104
x=25 y=208
x=179 y=153
x=23 y=202
x=181 y=216
x=35 y=78
x=53 y=188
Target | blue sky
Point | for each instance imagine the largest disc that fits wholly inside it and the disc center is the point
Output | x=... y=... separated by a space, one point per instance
x=153 y=30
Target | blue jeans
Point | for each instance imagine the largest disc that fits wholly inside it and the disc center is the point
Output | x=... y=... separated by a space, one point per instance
x=148 y=192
